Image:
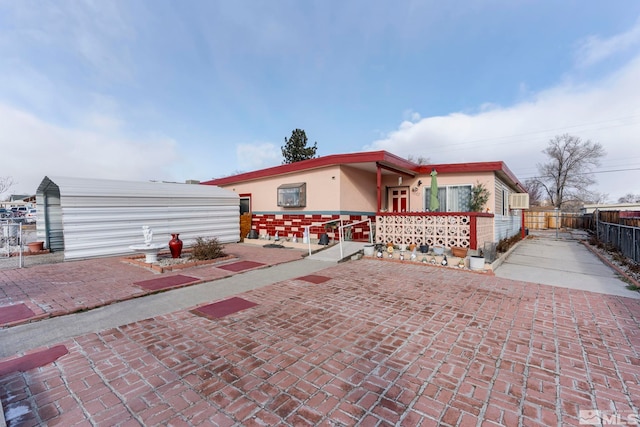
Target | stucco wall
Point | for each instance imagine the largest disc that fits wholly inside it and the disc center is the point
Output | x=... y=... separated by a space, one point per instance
x=346 y=189
x=358 y=191
x=323 y=191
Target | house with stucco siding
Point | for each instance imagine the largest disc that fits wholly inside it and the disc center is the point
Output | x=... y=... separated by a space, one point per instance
x=381 y=187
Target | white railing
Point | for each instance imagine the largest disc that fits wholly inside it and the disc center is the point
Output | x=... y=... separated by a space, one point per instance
x=343 y=226
x=308 y=227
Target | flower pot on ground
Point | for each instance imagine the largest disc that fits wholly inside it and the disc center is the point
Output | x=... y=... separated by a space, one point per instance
x=476 y=263
x=35 y=246
x=458 y=251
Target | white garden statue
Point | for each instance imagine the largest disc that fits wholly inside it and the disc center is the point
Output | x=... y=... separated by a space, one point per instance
x=149 y=249
x=148 y=235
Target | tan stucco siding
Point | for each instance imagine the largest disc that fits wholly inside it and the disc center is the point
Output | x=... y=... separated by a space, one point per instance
x=357 y=190
x=323 y=190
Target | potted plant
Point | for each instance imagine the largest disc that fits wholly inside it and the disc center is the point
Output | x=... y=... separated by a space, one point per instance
x=479 y=197
x=35 y=247
x=459 y=251
x=330 y=226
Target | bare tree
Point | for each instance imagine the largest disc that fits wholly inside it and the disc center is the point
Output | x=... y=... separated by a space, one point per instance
x=6 y=182
x=629 y=198
x=568 y=174
x=574 y=204
x=534 y=188
x=418 y=160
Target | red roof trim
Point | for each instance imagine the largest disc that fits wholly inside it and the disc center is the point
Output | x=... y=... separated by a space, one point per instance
x=318 y=162
x=498 y=166
x=383 y=157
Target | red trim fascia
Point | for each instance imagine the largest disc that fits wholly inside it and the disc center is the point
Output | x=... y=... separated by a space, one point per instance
x=462 y=167
x=318 y=162
x=473 y=168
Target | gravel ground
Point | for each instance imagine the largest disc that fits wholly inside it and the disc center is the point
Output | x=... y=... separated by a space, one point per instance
x=627 y=266
x=28 y=236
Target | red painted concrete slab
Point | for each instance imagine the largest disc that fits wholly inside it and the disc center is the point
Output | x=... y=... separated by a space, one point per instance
x=12 y=313
x=314 y=278
x=223 y=308
x=241 y=266
x=32 y=360
x=166 y=282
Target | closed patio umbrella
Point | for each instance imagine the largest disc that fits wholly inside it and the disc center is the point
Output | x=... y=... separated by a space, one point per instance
x=434 y=204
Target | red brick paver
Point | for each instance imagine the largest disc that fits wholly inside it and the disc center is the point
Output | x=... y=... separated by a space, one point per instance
x=57 y=289
x=377 y=344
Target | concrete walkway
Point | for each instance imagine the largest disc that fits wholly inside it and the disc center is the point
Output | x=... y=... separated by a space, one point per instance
x=562 y=261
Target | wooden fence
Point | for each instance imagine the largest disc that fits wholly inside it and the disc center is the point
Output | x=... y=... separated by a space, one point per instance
x=542 y=220
x=550 y=219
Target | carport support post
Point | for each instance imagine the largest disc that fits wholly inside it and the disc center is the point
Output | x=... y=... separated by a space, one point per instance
x=522 y=223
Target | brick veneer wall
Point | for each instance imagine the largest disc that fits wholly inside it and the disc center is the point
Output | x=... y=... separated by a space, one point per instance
x=287 y=225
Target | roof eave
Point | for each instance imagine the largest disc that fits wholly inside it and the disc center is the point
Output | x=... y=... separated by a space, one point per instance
x=382 y=157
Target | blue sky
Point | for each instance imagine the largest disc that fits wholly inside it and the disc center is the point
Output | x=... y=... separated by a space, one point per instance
x=169 y=90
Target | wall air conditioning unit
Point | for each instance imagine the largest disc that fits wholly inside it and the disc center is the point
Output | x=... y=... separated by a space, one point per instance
x=519 y=201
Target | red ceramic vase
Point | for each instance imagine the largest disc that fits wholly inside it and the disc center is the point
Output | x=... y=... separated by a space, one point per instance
x=175 y=246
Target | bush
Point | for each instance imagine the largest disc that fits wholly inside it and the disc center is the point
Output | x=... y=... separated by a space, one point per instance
x=479 y=197
x=205 y=249
x=505 y=244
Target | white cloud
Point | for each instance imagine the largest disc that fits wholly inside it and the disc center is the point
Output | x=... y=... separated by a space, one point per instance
x=606 y=111
x=257 y=156
x=33 y=149
x=595 y=49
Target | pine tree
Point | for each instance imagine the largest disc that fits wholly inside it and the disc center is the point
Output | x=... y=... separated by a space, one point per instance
x=295 y=148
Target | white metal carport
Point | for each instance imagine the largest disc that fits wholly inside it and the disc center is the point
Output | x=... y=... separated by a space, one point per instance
x=88 y=217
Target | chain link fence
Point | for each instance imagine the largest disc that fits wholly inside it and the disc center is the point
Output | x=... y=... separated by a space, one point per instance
x=624 y=237
x=11 y=241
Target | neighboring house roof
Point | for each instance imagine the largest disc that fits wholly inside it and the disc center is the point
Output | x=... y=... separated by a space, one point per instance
x=369 y=160
x=590 y=208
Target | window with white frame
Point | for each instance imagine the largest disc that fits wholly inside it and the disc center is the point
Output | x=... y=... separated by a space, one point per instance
x=452 y=198
x=292 y=195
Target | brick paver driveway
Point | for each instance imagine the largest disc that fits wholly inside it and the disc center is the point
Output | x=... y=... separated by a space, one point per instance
x=63 y=288
x=379 y=343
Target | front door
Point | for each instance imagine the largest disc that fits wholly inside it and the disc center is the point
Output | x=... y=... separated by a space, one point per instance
x=399 y=199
